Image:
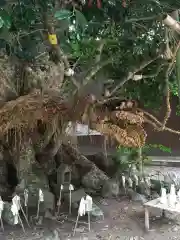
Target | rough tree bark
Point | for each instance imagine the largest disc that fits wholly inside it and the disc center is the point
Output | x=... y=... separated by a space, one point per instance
x=91 y=176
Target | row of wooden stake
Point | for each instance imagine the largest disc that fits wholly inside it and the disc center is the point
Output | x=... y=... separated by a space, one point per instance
x=85 y=206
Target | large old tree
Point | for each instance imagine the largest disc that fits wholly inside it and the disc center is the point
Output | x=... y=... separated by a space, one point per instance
x=106 y=53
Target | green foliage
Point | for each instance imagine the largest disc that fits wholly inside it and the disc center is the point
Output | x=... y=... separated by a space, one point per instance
x=126 y=157
x=5 y=20
x=174 y=88
x=63 y=14
x=161 y=147
x=80 y=31
x=178 y=110
x=80 y=19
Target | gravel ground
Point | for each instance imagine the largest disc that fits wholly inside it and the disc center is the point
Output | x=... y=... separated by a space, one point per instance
x=124 y=220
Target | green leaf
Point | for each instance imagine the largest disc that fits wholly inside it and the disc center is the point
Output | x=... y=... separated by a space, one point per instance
x=5 y=18
x=30 y=15
x=1 y=22
x=80 y=19
x=63 y=25
x=63 y=14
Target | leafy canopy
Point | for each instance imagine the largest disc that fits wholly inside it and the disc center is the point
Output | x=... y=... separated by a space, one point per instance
x=122 y=39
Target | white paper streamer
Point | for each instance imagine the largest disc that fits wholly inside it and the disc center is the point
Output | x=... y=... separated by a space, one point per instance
x=148 y=181
x=130 y=182
x=71 y=187
x=26 y=193
x=1 y=206
x=14 y=210
x=16 y=201
x=123 y=181
x=136 y=180
x=89 y=203
x=163 y=198
x=142 y=180
x=172 y=196
x=178 y=194
x=41 y=196
x=62 y=187
x=82 y=207
x=173 y=190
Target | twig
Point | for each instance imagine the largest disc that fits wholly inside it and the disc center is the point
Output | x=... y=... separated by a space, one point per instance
x=150 y=115
x=155 y=74
x=131 y=74
x=156 y=124
x=168 y=112
x=97 y=67
x=94 y=70
x=131 y=20
x=165 y=128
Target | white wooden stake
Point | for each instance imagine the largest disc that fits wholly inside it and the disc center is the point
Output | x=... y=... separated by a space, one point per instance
x=71 y=188
x=124 y=183
x=89 y=221
x=59 y=200
x=1 y=210
x=75 y=227
x=136 y=181
x=21 y=223
x=25 y=216
x=2 y=225
x=41 y=199
x=88 y=210
x=26 y=195
x=37 y=215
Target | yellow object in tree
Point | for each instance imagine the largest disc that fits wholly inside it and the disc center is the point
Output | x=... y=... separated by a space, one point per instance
x=52 y=39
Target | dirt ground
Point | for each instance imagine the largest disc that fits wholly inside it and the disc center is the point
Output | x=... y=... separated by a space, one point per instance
x=123 y=220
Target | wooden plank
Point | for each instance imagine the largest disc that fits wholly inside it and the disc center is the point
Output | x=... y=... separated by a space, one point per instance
x=156 y=204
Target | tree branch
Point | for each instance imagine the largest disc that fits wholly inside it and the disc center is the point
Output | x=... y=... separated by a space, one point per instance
x=58 y=51
x=132 y=73
x=94 y=70
x=157 y=124
x=157 y=128
x=131 y=20
x=99 y=51
x=168 y=105
x=155 y=74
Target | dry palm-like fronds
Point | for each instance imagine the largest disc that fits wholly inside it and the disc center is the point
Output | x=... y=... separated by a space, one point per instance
x=137 y=132
x=124 y=126
x=129 y=117
x=27 y=110
x=132 y=136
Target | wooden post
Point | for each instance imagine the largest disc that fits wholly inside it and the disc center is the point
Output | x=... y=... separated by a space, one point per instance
x=146 y=219
x=163 y=213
